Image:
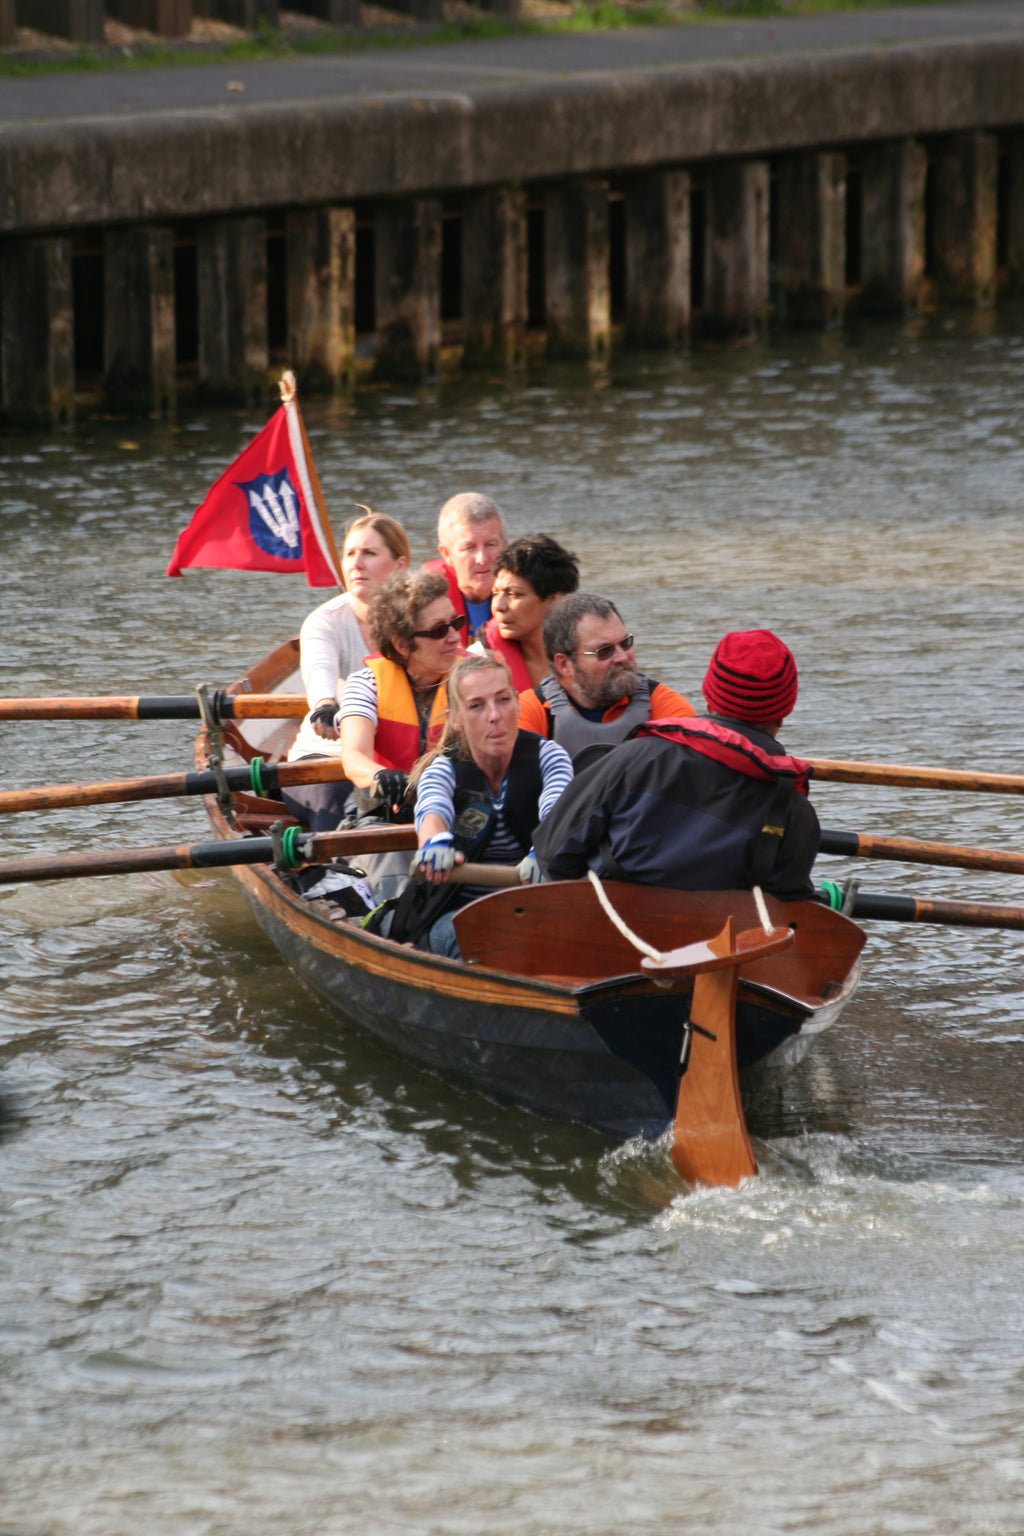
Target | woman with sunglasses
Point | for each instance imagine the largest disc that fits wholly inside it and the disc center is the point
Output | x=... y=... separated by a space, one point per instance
x=392 y=710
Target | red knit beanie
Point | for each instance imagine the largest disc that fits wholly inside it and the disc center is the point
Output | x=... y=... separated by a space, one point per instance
x=752 y=677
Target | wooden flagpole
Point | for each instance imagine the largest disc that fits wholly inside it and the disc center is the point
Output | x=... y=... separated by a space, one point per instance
x=290 y=397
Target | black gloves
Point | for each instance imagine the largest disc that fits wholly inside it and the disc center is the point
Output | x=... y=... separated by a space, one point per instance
x=389 y=784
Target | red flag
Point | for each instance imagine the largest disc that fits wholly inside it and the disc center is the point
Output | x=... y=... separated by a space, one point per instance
x=261 y=515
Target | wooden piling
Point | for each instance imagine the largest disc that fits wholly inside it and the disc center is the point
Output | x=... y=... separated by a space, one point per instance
x=892 y=178
x=408 y=288
x=657 y=208
x=138 y=318
x=494 y=272
x=966 y=169
x=736 y=268
x=1014 y=234
x=321 y=278
x=576 y=283
x=233 y=351
x=247 y=14
x=812 y=239
x=166 y=18
x=80 y=21
x=37 y=340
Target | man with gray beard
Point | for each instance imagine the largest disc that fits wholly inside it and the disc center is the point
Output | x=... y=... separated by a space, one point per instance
x=594 y=694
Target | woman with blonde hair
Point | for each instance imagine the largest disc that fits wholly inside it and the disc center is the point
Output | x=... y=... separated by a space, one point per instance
x=333 y=641
x=481 y=794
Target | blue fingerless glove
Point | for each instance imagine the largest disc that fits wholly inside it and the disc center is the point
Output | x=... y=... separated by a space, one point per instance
x=437 y=854
x=530 y=871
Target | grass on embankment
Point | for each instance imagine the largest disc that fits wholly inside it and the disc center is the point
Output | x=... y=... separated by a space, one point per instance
x=602 y=16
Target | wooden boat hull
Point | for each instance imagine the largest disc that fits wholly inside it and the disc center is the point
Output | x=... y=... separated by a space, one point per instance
x=605 y=1055
x=572 y=1030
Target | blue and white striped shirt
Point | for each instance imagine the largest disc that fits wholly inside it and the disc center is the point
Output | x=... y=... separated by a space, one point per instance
x=435 y=793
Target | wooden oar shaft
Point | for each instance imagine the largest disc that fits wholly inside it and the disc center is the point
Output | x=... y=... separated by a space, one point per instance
x=48 y=797
x=212 y=855
x=841 y=772
x=864 y=845
x=955 y=914
x=185 y=706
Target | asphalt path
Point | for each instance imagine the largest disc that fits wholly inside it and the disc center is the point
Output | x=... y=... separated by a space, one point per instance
x=472 y=65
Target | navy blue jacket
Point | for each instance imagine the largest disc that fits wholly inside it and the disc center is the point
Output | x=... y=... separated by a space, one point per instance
x=669 y=815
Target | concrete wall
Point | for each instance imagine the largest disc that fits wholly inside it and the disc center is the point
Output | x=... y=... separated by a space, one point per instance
x=176 y=166
x=701 y=163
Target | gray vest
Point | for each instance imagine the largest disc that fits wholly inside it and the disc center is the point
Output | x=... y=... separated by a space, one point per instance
x=573 y=732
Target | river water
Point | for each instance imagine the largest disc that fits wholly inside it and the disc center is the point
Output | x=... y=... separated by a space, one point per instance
x=258 y=1276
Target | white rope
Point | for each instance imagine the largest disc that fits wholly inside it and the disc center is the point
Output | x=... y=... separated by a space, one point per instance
x=627 y=933
x=762 y=911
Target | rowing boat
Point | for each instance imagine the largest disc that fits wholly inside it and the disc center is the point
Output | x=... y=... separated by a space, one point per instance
x=552 y=1007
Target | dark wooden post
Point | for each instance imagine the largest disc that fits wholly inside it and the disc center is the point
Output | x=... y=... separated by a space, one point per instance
x=736 y=268
x=576 y=283
x=812 y=239
x=80 y=21
x=337 y=13
x=8 y=24
x=494 y=276
x=657 y=258
x=231 y=262
x=408 y=288
x=138 y=318
x=37 y=343
x=246 y=14
x=1015 y=213
x=966 y=171
x=892 y=179
x=167 y=18
x=321 y=266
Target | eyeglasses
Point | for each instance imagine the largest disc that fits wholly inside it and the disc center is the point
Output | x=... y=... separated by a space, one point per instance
x=606 y=652
x=439 y=631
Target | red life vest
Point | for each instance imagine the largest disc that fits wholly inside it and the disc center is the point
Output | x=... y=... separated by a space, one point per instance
x=458 y=602
x=730 y=748
x=512 y=652
x=397 y=741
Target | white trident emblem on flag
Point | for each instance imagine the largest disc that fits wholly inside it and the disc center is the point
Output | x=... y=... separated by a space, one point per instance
x=274 y=514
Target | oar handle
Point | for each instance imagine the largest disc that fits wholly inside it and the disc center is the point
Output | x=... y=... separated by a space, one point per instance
x=875 y=906
x=212 y=855
x=185 y=706
x=267 y=778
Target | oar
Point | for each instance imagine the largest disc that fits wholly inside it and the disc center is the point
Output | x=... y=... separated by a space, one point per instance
x=257 y=778
x=874 y=905
x=294 y=848
x=183 y=706
x=915 y=778
x=866 y=846
x=298 y=848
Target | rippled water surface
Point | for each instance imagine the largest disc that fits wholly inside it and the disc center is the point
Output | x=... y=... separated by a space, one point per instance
x=257 y=1276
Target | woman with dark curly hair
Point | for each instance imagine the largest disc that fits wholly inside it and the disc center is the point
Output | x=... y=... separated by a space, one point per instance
x=531 y=574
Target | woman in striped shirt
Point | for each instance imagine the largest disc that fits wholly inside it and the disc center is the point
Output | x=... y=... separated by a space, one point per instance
x=480 y=794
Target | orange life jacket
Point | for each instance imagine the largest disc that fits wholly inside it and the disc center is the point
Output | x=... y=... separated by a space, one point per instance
x=400 y=739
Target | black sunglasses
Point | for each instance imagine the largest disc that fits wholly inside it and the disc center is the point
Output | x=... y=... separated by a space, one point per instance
x=606 y=652
x=439 y=631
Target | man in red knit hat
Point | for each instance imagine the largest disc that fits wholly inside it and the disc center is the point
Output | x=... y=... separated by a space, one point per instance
x=708 y=803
